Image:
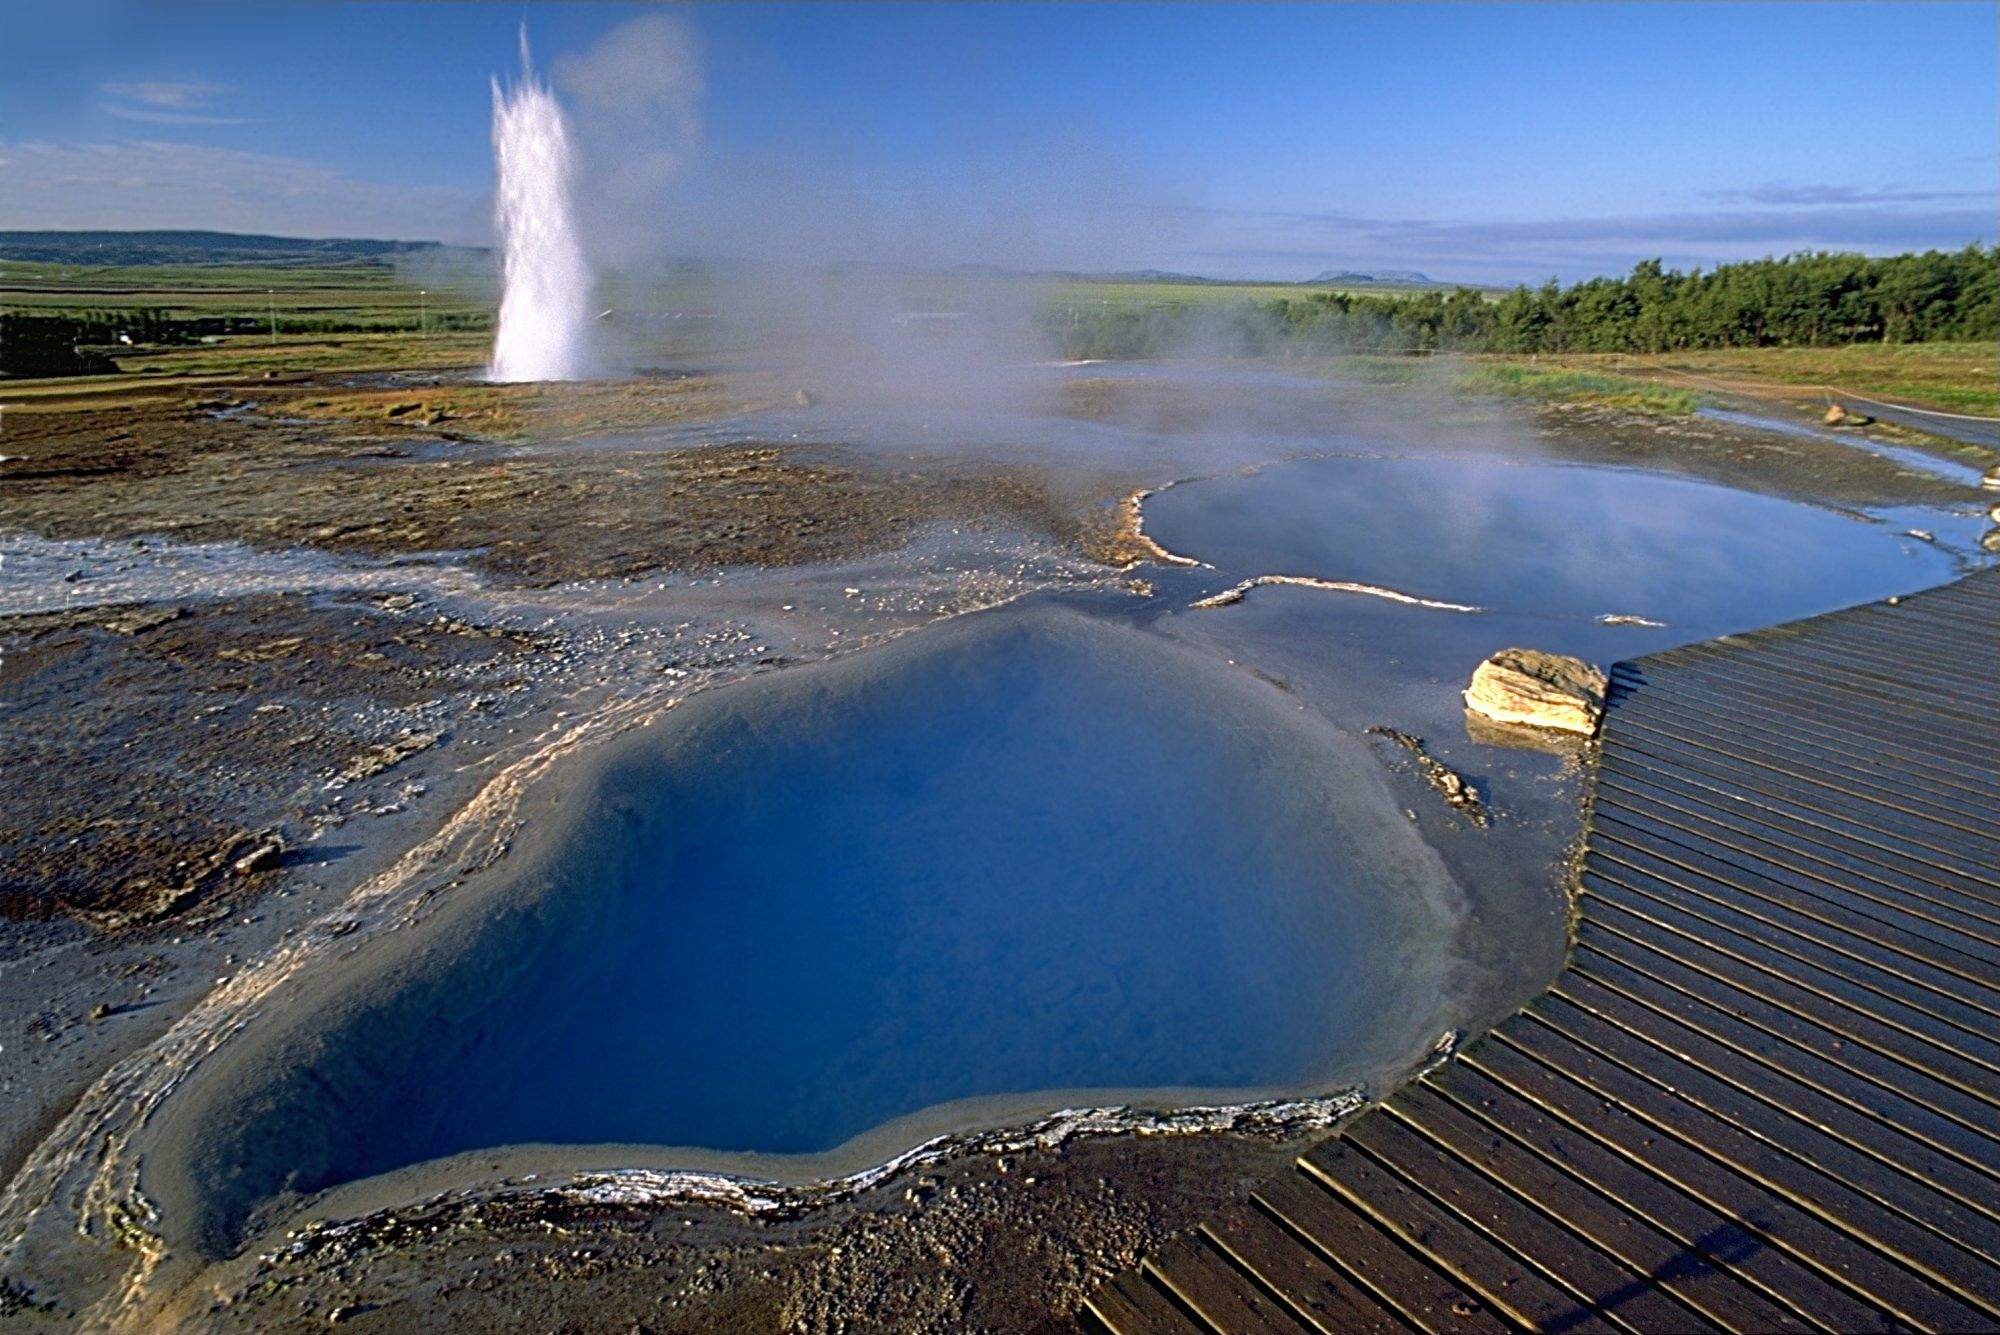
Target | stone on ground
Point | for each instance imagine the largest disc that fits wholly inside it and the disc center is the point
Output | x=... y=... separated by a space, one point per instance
x=1530 y=688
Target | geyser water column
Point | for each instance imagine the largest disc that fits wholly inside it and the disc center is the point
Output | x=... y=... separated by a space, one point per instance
x=544 y=331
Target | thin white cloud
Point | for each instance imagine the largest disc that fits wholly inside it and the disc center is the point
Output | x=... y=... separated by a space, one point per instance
x=165 y=102
x=1822 y=195
x=154 y=117
x=187 y=95
x=152 y=184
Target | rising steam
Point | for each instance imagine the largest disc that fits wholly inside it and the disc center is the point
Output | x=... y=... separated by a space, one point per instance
x=544 y=329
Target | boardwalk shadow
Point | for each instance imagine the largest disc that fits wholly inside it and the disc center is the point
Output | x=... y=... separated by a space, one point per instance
x=1709 y=1253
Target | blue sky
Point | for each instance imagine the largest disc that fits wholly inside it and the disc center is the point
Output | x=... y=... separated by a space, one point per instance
x=1470 y=141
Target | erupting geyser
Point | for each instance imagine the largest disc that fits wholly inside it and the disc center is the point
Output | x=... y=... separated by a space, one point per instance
x=544 y=330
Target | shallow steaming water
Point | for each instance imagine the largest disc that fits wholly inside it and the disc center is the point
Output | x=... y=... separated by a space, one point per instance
x=1547 y=540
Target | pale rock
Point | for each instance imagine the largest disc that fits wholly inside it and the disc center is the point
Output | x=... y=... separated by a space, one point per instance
x=1530 y=688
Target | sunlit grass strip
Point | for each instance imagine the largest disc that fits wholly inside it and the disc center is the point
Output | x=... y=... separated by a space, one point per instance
x=1588 y=387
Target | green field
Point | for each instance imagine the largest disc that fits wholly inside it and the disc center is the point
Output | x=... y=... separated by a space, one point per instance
x=1514 y=377
x=356 y=296
x=1954 y=376
x=379 y=293
x=366 y=315
x=1167 y=293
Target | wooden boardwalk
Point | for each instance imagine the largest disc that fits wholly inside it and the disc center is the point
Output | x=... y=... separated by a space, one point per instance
x=1764 y=1094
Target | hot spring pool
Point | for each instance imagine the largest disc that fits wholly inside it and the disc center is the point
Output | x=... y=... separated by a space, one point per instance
x=1026 y=859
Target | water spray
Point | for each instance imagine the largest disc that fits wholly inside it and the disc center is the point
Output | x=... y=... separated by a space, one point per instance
x=544 y=327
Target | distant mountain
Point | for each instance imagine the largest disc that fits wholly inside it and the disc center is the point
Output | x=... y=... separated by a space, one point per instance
x=1079 y=276
x=1386 y=277
x=198 y=248
x=1153 y=276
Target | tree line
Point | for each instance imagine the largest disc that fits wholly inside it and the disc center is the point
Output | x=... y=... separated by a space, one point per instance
x=1811 y=299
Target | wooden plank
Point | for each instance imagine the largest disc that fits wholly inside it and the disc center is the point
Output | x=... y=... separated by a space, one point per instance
x=1921 y=694
x=1663 y=870
x=1729 y=677
x=1905 y=833
x=1966 y=608
x=1867 y=644
x=1748 y=831
x=1909 y=826
x=1946 y=655
x=1848 y=652
x=1760 y=688
x=1911 y=837
x=1632 y=781
x=1820 y=657
x=1943 y=634
x=1943 y=778
x=1953 y=1200
x=1869 y=738
x=1875 y=919
x=1130 y=1305
x=1977 y=1055
x=1478 y=1265
x=1851 y=1301
x=1821 y=912
x=1202 y=1280
x=1833 y=739
x=1698 y=1281
x=1860 y=1029
x=1893 y=1107
x=1594 y=1278
x=1925 y=780
x=1721 y=1237
x=1425 y=1297
x=1912 y=812
x=1737 y=696
x=1938 y=642
x=1316 y=1293
x=1975 y=592
x=1781 y=665
x=1857 y=1229
x=1966 y=602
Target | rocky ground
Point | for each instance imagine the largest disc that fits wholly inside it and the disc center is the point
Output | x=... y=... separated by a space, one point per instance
x=383 y=489
x=162 y=707
x=217 y=755
x=222 y=741
x=983 y=1242
x=153 y=731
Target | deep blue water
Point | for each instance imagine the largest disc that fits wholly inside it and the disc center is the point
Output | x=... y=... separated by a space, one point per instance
x=1035 y=853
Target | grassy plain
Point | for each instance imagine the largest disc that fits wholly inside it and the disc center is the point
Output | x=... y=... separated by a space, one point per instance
x=366 y=316
x=1520 y=377
x=357 y=296
x=1955 y=377
x=1169 y=293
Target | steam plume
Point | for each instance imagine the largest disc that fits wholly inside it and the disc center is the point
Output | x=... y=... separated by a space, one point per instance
x=544 y=329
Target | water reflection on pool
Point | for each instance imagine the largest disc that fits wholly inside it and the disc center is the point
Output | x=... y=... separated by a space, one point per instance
x=1546 y=539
